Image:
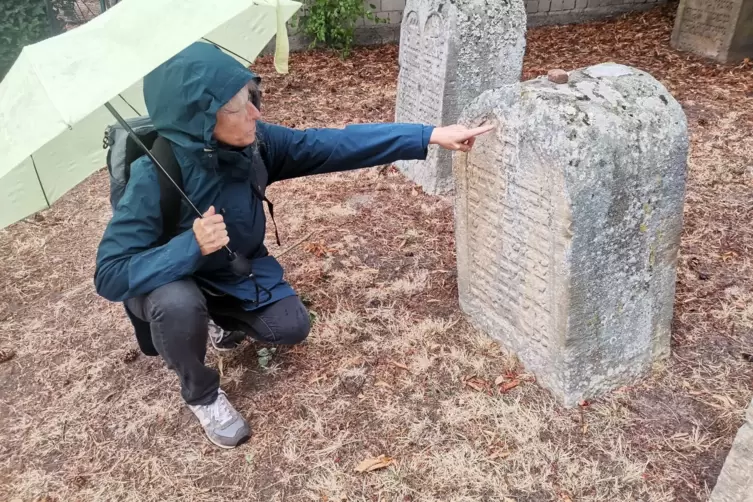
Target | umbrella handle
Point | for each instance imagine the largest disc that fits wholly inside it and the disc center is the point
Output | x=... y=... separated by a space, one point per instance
x=240 y=265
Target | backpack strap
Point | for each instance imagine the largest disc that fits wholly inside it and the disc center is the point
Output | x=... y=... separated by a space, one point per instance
x=258 y=163
x=170 y=200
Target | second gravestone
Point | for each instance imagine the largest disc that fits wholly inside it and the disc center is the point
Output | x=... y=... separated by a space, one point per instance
x=450 y=52
x=568 y=219
x=718 y=29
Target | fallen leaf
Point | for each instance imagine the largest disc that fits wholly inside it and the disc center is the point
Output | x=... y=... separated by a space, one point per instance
x=565 y=497
x=476 y=384
x=499 y=454
x=400 y=365
x=372 y=464
x=6 y=355
x=353 y=361
x=583 y=403
x=499 y=380
x=318 y=249
x=383 y=384
x=509 y=385
x=318 y=378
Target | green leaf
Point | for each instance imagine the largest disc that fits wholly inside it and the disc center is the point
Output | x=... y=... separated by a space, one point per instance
x=265 y=356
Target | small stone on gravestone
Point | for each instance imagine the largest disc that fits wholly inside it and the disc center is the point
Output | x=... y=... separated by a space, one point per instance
x=450 y=52
x=558 y=76
x=568 y=219
x=718 y=29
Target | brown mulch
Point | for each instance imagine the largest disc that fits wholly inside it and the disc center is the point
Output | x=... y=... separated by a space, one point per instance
x=391 y=368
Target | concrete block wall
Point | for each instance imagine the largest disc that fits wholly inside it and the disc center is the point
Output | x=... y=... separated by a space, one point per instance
x=540 y=12
x=543 y=12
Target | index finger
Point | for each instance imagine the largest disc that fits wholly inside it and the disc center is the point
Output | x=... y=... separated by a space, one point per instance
x=214 y=219
x=480 y=130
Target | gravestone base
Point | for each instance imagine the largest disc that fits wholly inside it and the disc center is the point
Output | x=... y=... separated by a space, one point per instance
x=450 y=52
x=721 y=30
x=568 y=219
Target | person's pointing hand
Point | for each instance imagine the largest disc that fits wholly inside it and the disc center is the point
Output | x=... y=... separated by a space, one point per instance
x=457 y=137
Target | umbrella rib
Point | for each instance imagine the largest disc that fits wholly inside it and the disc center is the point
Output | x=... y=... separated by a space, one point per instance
x=44 y=193
x=44 y=87
x=130 y=105
x=227 y=50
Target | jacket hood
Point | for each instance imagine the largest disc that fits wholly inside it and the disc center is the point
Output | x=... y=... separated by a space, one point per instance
x=183 y=94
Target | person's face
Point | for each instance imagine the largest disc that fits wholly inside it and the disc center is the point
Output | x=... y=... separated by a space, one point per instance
x=236 y=121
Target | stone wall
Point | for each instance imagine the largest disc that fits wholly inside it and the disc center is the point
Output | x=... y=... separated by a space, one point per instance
x=540 y=12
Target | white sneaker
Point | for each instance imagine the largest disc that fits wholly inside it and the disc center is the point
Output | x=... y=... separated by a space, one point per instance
x=223 y=425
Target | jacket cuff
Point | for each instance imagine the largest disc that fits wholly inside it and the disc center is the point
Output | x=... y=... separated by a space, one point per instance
x=187 y=245
x=426 y=136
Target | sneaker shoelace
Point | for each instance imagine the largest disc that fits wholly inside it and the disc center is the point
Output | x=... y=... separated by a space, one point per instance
x=219 y=411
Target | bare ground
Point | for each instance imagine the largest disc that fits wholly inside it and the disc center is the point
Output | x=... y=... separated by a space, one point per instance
x=391 y=367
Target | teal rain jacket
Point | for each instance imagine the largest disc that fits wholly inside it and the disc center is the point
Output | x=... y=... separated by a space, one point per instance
x=182 y=97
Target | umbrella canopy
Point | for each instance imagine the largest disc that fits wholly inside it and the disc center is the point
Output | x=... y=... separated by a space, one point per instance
x=52 y=113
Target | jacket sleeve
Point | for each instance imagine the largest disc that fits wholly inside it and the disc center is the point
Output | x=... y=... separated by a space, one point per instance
x=293 y=153
x=127 y=263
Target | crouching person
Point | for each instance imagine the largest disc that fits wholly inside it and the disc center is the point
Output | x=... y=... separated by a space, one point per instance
x=206 y=105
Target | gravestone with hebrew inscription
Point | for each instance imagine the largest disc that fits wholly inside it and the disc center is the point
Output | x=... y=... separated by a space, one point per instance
x=450 y=52
x=718 y=29
x=568 y=218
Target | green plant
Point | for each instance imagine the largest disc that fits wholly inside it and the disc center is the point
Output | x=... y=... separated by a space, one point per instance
x=332 y=23
x=22 y=22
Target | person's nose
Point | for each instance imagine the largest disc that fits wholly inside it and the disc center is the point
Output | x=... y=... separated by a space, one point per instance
x=254 y=113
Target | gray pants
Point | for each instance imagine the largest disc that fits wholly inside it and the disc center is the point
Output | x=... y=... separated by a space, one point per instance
x=178 y=314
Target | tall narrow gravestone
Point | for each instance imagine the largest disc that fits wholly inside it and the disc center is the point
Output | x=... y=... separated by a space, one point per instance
x=450 y=52
x=568 y=218
x=718 y=29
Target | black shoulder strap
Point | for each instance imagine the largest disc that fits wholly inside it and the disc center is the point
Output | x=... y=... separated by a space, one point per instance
x=270 y=206
x=170 y=200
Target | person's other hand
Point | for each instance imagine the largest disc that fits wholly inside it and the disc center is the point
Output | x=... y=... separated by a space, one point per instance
x=457 y=137
x=210 y=231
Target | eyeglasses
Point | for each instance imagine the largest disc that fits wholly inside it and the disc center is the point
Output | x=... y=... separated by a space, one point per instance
x=254 y=95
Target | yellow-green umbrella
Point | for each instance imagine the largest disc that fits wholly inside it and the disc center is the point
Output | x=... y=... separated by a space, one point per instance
x=52 y=101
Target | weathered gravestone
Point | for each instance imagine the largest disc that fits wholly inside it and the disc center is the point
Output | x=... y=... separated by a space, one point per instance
x=718 y=29
x=735 y=482
x=450 y=52
x=568 y=219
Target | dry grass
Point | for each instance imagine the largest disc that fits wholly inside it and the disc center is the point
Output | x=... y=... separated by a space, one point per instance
x=388 y=367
